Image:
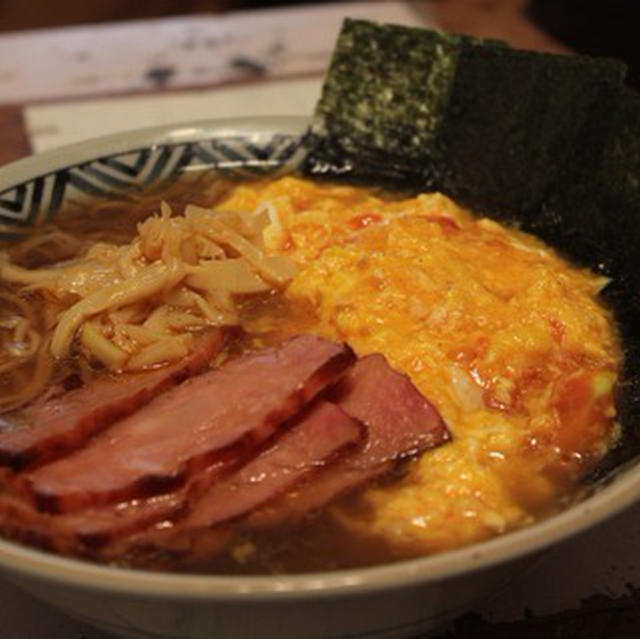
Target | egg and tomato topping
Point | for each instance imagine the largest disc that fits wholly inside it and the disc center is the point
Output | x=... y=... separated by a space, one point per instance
x=506 y=338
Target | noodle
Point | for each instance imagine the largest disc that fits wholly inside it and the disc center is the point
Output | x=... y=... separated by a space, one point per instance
x=134 y=305
x=148 y=282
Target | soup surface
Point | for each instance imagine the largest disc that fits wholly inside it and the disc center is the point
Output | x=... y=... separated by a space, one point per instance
x=505 y=338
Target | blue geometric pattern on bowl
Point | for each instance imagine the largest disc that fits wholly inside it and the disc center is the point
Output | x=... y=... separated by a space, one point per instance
x=36 y=201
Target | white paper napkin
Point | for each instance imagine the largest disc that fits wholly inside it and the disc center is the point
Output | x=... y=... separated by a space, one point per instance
x=53 y=125
x=180 y=52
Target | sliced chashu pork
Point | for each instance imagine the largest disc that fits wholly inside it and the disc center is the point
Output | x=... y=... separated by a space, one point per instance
x=189 y=427
x=297 y=473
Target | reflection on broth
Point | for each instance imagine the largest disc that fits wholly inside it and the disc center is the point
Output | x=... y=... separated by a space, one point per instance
x=507 y=342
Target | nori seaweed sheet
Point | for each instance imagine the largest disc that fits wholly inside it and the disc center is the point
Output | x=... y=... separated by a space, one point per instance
x=549 y=143
x=382 y=77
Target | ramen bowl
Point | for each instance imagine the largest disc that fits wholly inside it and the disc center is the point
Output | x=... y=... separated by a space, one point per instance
x=399 y=599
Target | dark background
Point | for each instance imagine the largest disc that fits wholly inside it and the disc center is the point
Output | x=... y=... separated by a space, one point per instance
x=605 y=28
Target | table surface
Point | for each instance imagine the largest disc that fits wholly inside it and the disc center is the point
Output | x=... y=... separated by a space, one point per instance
x=586 y=589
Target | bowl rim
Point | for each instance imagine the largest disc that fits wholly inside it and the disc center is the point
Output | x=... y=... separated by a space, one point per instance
x=20 y=561
x=50 y=161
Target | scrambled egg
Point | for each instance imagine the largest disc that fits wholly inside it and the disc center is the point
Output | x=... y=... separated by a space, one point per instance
x=502 y=335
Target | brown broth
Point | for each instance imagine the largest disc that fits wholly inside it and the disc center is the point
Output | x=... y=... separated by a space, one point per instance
x=533 y=486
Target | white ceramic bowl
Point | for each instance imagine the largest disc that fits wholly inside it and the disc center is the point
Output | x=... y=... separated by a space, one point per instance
x=394 y=600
